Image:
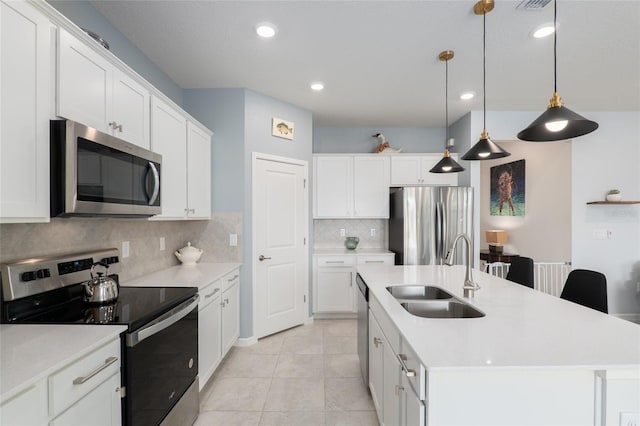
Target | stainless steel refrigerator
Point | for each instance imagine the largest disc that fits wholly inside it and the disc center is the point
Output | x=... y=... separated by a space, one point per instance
x=424 y=220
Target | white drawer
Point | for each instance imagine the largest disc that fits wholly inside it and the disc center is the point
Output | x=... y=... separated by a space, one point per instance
x=335 y=260
x=209 y=293
x=376 y=259
x=413 y=369
x=230 y=279
x=92 y=370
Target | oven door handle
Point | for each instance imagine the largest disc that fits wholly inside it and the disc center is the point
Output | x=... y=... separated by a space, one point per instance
x=162 y=322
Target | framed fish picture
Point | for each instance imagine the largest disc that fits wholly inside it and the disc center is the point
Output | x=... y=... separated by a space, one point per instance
x=281 y=128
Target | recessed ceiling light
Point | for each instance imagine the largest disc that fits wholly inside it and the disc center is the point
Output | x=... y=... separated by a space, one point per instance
x=467 y=95
x=266 y=30
x=543 y=31
x=317 y=86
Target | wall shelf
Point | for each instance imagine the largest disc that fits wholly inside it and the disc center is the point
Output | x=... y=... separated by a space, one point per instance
x=613 y=202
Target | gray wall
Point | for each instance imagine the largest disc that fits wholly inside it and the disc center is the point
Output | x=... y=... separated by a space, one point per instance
x=241 y=121
x=359 y=140
x=86 y=16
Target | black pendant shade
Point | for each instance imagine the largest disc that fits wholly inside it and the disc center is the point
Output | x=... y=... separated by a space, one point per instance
x=557 y=122
x=485 y=149
x=447 y=165
x=576 y=126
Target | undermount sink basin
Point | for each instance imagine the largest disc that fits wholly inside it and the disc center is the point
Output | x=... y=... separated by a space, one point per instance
x=418 y=292
x=442 y=309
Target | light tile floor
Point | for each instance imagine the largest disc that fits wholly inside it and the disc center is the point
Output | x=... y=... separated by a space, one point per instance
x=306 y=376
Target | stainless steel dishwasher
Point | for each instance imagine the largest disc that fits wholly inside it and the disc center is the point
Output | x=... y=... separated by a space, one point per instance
x=363 y=328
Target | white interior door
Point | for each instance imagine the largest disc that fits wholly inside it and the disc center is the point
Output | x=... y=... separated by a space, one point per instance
x=280 y=226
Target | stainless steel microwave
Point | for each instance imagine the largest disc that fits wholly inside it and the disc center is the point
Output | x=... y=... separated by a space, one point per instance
x=96 y=174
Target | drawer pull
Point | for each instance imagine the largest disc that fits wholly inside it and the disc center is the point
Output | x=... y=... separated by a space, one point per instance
x=211 y=294
x=377 y=341
x=107 y=362
x=407 y=372
x=334 y=261
x=234 y=277
x=374 y=261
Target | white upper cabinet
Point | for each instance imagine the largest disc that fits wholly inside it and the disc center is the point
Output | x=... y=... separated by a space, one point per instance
x=371 y=186
x=414 y=170
x=351 y=186
x=25 y=110
x=186 y=163
x=94 y=92
x=198 y=172
x=333 y=186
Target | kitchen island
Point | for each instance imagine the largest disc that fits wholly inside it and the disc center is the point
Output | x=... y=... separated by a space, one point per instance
x=532 y=359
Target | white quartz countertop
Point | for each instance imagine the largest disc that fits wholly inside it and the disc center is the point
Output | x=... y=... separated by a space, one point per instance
x=342 y=251
x=199 y=275
x=29 y=353
x=522 y=327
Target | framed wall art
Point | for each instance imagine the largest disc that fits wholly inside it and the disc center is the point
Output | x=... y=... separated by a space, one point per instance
x=507 y=189
x=281 y=128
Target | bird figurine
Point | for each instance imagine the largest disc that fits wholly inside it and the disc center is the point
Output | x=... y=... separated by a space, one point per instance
x=384 y=145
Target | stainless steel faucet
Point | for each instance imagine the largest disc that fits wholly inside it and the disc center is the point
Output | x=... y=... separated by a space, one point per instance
x=469 y=285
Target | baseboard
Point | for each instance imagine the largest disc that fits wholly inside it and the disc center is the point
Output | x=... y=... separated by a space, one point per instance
x=308 y=320
x=629 y=317
x=335 y=316
x=246 y=341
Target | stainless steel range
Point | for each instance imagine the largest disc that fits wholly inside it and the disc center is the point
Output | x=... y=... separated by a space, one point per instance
x=159 y=349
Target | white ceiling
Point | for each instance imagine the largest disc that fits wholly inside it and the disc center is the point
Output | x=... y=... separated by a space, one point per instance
x=379 y=59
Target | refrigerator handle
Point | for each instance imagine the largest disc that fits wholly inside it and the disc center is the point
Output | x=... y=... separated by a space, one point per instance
x=439 y=242
x=443 y=232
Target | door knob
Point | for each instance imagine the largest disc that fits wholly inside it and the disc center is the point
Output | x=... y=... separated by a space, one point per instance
x=261 y=258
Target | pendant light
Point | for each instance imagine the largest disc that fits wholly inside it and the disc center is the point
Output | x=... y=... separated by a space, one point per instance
x=446 y=164
x=557 y=122
x=485 y=148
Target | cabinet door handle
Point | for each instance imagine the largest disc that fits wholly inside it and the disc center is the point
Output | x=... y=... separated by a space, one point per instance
x=107 y=362
x=233 y=278
x=407 y=372
x=211 y=294
x=374 y=261
x=334 y=261
x=377 y=341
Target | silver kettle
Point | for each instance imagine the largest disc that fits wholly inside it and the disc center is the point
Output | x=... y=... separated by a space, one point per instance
x=100 y=288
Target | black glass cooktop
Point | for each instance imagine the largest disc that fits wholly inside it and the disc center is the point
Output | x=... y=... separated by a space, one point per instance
x=134 y=307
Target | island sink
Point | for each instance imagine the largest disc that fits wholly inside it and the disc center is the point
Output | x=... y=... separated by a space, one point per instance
x=441 y=309
x=418 y=292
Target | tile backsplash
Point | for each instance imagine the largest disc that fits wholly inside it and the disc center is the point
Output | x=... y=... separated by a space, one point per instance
x=19 y=241
x=326 y=232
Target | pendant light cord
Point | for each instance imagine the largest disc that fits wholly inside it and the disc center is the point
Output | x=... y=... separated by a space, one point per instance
x=484 y=69
x=446 y=103
x=555 y=42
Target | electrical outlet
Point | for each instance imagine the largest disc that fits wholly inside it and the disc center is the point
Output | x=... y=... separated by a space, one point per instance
x=233 y=240
x=629 y=419
x=343 y=232
x=373 y=232
x=125 y=249
x=162 y=243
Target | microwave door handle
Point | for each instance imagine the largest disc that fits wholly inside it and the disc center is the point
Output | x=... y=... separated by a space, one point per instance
x=164 y=321
x=156 y=185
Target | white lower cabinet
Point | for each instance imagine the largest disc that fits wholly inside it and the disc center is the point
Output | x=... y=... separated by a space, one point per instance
x=230 y=310
x=85 y=392
x=209 y=333
x=27 y=408
x=218 y=322
x=396 y=378
x=101 y=406
x=334 y=285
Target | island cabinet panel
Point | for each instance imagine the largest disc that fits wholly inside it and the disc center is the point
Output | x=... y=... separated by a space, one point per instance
x=512 y=396
x=27 y=408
